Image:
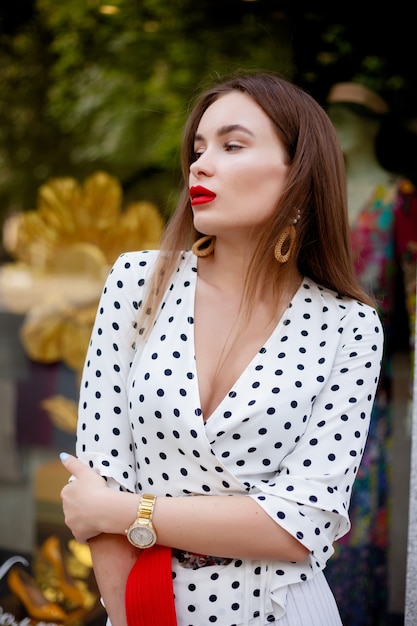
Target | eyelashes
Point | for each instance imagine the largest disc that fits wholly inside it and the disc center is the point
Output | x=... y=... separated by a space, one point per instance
x=228 y=146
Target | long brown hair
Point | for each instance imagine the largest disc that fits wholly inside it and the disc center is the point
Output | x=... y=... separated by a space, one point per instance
x=316 y=187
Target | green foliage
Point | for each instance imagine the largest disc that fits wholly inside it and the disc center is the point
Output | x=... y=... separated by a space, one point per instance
x=106 y=84
x=87 y=87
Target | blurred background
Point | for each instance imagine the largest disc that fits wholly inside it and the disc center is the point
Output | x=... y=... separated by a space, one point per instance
x=86 y=85
x=93 y=97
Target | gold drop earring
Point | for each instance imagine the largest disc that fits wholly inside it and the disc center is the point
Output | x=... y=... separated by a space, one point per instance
x=285 y=244
x=204 y=246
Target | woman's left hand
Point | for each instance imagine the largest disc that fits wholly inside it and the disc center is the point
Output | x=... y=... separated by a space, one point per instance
x=83 y=499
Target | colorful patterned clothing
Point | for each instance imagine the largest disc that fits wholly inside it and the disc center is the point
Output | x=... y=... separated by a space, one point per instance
x=357 y=572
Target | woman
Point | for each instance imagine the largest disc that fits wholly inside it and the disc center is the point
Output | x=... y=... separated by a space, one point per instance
x=244 y=367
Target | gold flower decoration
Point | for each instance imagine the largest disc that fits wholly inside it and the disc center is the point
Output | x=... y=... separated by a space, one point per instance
x=63 y=252
x=80 y=228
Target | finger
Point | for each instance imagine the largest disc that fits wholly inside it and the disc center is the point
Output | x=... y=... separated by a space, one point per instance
x=73 y=465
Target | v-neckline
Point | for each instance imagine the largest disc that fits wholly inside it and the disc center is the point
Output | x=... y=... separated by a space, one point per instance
x=275 y=332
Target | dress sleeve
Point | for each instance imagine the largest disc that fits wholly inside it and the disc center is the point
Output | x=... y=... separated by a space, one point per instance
x=104 y=438
x=310 y=494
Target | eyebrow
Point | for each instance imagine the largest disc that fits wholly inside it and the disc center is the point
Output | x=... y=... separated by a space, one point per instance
x=224 y=130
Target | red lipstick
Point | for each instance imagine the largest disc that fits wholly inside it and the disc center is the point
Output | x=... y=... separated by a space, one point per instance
x=201 y=195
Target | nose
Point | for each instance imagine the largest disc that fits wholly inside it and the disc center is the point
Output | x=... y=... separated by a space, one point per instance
x=203 y=166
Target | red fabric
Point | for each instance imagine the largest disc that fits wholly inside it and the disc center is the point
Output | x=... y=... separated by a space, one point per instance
x=149 y=596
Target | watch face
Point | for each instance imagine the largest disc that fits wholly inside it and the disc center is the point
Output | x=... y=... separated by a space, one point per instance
x=142 y=536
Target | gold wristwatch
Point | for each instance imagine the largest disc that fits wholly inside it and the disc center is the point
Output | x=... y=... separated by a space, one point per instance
x=141 y=533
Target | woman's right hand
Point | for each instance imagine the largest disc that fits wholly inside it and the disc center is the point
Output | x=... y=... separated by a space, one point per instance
x=82 y=498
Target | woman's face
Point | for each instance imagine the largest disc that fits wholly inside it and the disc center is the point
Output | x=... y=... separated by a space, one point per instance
x=240 y=169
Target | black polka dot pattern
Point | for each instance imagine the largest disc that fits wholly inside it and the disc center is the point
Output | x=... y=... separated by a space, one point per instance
x=289 y=434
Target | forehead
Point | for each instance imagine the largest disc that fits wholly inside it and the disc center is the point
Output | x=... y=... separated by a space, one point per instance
x=235 y=108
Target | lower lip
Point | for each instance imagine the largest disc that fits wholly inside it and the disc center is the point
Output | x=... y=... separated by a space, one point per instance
x=202 y=200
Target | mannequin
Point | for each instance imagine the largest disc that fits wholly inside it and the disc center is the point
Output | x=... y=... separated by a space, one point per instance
x=357 y=113
x=358 y=571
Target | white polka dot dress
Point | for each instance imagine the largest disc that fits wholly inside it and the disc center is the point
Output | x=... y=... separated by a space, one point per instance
x=289 y=434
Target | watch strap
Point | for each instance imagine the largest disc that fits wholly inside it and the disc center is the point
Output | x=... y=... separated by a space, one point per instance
x=146 y=507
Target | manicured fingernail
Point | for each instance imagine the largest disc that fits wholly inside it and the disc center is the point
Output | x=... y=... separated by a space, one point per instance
x=64 y=456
